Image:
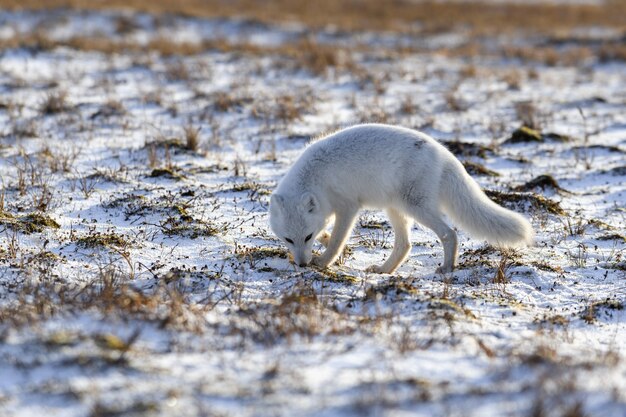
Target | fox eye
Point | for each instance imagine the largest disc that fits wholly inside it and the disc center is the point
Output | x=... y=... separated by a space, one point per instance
x=306 y=239
x=289 y=240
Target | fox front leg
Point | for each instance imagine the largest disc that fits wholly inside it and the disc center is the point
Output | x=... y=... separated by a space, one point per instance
x=343 y=225
x=401 y=246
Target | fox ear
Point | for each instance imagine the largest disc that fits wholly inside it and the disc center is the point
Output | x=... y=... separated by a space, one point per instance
x=309 y=202
x=277 y=202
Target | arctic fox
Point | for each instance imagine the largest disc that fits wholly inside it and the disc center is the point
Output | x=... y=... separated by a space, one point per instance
x=405 y=172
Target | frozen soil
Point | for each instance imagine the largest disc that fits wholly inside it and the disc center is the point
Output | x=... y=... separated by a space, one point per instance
x=138 y=275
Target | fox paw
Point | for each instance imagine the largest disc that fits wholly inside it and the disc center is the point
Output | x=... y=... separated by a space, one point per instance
x=318 y=262
x=376 y=269
x=444 y=270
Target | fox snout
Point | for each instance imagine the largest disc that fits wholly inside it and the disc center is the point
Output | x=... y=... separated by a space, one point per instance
x=302 y=258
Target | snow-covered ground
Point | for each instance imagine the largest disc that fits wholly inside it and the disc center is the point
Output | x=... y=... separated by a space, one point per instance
x=148 y=283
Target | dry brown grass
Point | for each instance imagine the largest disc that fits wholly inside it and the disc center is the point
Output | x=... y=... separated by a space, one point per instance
x=110 y=294
x=373 y=14
x=54 y=103
x=192 y=137
x=307 y=54
x=302 y=54
x=552 y=56
x=285 y=108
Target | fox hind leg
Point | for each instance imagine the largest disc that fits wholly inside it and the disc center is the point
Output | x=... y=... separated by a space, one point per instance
x=445 y=233
x=401 y=245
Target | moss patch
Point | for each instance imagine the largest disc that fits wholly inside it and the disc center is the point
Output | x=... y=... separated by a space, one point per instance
x=468 y=149
x=102 y=240
x=251 y=186
x=557 y=137
x=45 y=256
x=167 y=173
x=474 y=168
x=543 y=182
x=28 y=223
x=612 y=236
x=397 y=286
x=514 y=200
x=336 y=277
x=544 y=266
x=447 y=304
x=182 y=212
x=192 y=229
x=373 y=224
x=263 y=253
x=608 y=148
x=525 y=134
x=555 y=320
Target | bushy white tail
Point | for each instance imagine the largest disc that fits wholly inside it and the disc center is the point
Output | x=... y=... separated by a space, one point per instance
x=465 y=203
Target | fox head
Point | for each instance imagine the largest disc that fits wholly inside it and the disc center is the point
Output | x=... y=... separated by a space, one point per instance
x=297 y=221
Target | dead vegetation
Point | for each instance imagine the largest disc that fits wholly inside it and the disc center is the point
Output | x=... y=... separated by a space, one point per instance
x=598 y=309
x=103 y=240
x=111 y=294
x=543 y=182
x=284 y=108
x=518 y=201
x=466 y=149
x=474 y=168
x=55 y=103
x=35 y=222
x=372 y=15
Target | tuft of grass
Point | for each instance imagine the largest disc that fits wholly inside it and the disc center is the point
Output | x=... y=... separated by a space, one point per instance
x=593 y=310
x=192 y=138
x=111 y=108
x=317 y=57
x=224 y=101
x=54 y=103
x=285 y=108
x=502 y=275
x=177 y=71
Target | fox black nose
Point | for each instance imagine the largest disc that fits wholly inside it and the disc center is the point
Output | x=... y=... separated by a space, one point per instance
x=302 y=264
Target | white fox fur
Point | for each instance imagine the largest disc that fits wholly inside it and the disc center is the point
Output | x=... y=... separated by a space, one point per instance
x=403 y=171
